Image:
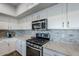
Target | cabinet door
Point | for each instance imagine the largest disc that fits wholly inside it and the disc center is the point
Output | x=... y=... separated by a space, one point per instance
x=25 y=25
x=57 y=16
x=73 y=15
x=19 y=46
x=12 y=46
x=3 y=25
x=23 y=47
x=48 y=52
x=42 y=14
x=12 y=26
x=28 y=25
x=4 y=48
x=18 y=26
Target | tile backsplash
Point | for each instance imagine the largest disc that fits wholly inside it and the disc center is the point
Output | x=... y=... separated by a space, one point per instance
x=65 y=35
x=58 y=35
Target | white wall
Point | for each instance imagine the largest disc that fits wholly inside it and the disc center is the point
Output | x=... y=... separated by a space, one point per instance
x=7 y=9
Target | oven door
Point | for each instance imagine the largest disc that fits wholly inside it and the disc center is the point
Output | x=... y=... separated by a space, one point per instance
x=31 y=51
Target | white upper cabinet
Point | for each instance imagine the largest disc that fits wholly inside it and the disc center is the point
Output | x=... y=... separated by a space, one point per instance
x=25 y=23
x=41 y=14
x=7 y=22
x=64 y=16
x=3 y=25
x=12 y=26
x=12 y=23
x=60 y=16
x=29 y=25
x=73 y=16
x=57 y=17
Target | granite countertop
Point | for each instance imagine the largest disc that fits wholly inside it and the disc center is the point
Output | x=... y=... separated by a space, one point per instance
x=24 y=37
x=67 y=49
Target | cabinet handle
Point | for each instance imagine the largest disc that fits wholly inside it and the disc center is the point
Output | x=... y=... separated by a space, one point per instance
x=63 y=24
x=67 y=23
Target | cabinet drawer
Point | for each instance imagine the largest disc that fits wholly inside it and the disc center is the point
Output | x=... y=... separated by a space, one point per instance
x=52 y=52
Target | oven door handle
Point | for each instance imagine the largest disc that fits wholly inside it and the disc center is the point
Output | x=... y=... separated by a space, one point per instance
x=33 y=48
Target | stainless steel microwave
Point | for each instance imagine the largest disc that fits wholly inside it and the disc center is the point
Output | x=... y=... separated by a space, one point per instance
x=39 y=24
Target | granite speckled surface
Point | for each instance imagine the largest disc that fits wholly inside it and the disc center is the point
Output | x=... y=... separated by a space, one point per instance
x=23 y=37
x=67 y=49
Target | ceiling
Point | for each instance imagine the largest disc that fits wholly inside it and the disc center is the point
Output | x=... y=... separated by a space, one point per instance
x=13 y=4
x=22 y=7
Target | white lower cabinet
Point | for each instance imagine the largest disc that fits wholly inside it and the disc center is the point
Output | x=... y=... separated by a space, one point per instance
x=4 y=49
x=7 y=46
x=18 y=45
x=24 y=48
x=11 y=44
x=21 y=47
x=48 y=52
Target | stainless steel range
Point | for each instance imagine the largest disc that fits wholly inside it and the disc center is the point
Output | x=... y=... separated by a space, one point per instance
x=35 y=45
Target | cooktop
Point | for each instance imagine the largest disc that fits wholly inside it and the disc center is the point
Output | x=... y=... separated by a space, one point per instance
x=38 y=41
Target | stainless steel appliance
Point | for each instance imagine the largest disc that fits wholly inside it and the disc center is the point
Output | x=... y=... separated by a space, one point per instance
x=39 y=24
x=34 y=50
x=35 y=45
